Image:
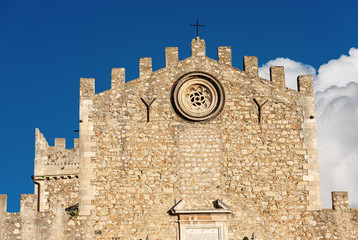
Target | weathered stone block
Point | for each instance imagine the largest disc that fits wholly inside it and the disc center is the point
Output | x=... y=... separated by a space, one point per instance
x=198 y=48
x=340 y=200
x=305 y=85
x=117 y=78
x=145 y=67
x=224 y=55
x=213 y=132
x=171 y=56
x=277 y=74
x=251 y=65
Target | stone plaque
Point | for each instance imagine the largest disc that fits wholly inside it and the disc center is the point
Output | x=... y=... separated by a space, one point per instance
x=202 y=234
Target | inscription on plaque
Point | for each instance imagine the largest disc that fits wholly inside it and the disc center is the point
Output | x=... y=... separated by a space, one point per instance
x=202 y=234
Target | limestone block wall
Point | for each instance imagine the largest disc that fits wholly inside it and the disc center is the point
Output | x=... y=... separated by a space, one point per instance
x=28 y=224
x=56 y=172
x=339 y=223
x=340 y=200
x=55 y=160
x=42 y=215
x=140 y=157
x=137 y=158
x=64 y=188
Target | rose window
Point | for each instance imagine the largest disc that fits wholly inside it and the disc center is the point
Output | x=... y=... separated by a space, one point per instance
x=197 y=96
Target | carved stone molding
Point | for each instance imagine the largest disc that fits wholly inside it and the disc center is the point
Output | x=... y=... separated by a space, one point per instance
x=198 y=96
x=196 y=224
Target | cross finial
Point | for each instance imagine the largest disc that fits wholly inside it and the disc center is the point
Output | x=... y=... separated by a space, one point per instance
x=197 y=26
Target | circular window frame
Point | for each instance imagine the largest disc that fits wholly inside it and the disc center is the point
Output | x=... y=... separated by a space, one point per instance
x=212 y=86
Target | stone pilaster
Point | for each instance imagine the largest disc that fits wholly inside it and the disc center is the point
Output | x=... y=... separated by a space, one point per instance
x=309 y=134
x=86 y=174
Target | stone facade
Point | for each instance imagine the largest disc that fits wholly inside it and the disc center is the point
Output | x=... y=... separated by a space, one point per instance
x=196 y=150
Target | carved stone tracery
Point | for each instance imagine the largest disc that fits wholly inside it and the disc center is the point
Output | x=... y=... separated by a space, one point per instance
x=197 y=96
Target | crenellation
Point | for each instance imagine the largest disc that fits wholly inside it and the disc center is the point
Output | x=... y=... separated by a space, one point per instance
x=76 y=143
x=87 y=88
x=277 y=76
x=305 y=85
x=58 y=158
x=224 y=55
x=3 y=203
x=171 y=56
x=28 y=203
x=60 y=144
x=251 y=65
x=41 y=147
x=241 y=151
x=39 y=138
x=198 y=48
x=51 y=163
x=118 y=78
x=145 y=67
x=340 y=200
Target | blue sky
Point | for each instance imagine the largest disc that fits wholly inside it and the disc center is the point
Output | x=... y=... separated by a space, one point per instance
x=47 y=46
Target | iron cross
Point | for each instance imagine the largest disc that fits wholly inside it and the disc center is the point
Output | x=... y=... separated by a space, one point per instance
x=197 y=26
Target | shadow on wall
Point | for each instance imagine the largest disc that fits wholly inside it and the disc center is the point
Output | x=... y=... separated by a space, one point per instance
x=252 y=238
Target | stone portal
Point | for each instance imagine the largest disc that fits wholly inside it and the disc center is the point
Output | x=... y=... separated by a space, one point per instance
x=202 y=224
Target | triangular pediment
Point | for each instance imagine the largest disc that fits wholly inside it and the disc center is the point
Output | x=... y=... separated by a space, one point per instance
x=219 y=207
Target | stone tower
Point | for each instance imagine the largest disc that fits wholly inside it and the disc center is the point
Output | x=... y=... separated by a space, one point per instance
x=196 y=150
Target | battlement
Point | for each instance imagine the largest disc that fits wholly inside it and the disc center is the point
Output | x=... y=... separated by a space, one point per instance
x=340 y=200
x=57 y=159
x=28 y=203
x=198 y=129
x=171 y=56
x=31 y=224
x=60 y=143
x=198 y=50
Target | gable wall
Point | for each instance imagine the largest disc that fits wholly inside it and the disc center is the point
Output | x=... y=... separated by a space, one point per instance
x=143 y=168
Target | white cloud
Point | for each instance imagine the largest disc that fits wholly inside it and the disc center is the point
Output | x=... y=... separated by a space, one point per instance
x=336 y=98
x=337 y=130
x=338 y=72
